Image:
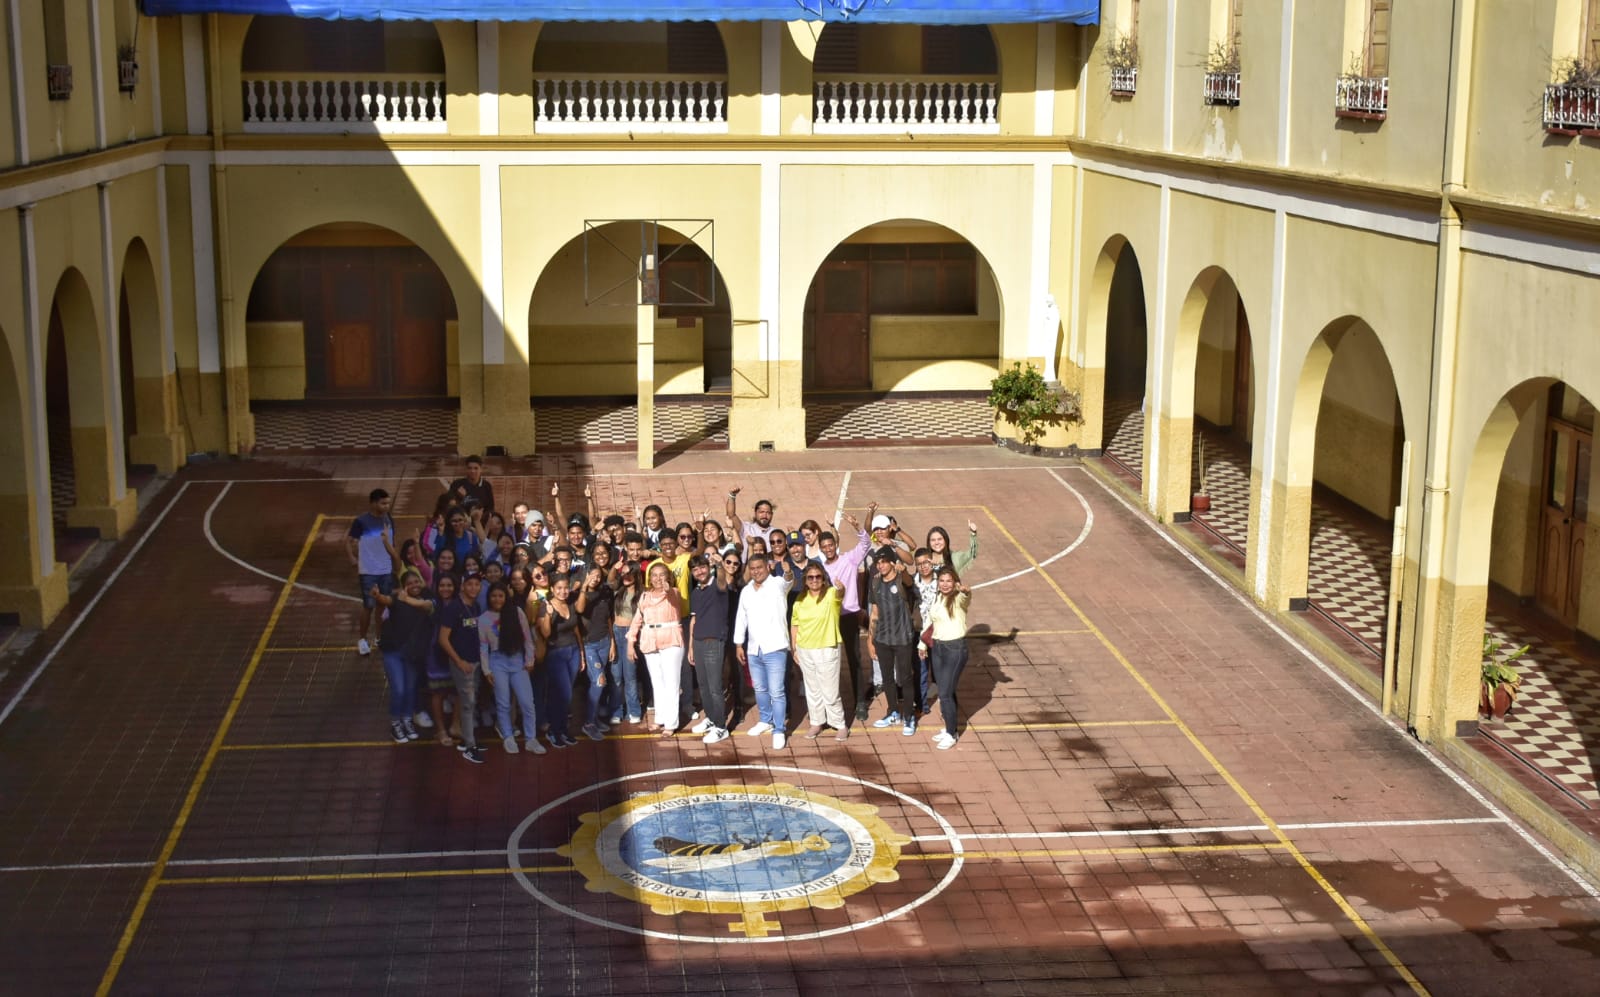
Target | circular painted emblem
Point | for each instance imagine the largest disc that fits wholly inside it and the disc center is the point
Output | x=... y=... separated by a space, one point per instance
x=735 y=849
x=695 y=852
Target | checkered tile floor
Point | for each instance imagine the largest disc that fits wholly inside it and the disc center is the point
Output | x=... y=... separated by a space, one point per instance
x=63 y=476
x=384 y=430
x=895 y=420
x=1123 y=439
x=1555 y=724
x=1228 y=484
x=586 y=427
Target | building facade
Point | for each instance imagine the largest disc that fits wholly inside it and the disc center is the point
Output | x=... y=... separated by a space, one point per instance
x=1355 y=241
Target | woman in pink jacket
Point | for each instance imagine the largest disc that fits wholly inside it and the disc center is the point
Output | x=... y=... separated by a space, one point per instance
x=657 y=631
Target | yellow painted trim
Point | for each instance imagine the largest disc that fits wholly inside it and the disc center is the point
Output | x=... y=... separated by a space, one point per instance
x=355 y=877
x=1249 y=801
x=158 y=871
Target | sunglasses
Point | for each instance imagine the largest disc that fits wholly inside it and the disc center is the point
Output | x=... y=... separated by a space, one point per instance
x=730 y=560
x=814 y=578
x=686 y=536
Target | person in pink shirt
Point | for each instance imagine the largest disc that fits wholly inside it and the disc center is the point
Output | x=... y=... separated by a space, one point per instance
x=657 y=631
x=842 y=570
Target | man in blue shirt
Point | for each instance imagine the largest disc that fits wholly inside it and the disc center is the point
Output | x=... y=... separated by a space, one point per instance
x=370 y=546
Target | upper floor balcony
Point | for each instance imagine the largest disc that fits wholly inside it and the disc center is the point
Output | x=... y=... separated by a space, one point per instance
x=874 y=79
x=648 y=78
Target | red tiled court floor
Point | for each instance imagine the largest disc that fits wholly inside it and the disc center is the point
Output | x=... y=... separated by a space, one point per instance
x=1153 y=792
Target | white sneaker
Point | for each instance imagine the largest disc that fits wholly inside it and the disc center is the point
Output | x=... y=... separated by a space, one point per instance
x=779 y=739
x=759 y=729
x=362 y=647
x=423 y=720
x=701 y=727
x=534 y=746
x=510 y=744
x=715 y=734
x=943 y=741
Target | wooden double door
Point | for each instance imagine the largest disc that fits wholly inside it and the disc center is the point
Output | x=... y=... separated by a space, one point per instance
x=1563 y=518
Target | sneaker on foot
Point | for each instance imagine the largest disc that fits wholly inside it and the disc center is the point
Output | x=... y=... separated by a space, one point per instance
x=910 y=728
x=862 y=712
x=558 y=739
x=473 y=754
x=779 y=739
x=702 y=726
x=715 y=734
x=411 y=732
x=888 y=721
x=510 y=744
x=943 y=741
x=423 y=720
x=759 y=729
x=532 y=746
x=362 y=647
x=397 y=731
x=593 y=732
x=634 y=719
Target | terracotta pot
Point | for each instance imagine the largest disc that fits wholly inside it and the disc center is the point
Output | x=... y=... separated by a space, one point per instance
x=1200 y=503
x=1499 y=706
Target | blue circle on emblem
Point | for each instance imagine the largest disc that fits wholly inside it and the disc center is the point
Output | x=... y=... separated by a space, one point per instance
x=735 y=846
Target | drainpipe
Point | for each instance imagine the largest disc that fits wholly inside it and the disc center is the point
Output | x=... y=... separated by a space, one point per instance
x=219 y=214
x=1421 y=718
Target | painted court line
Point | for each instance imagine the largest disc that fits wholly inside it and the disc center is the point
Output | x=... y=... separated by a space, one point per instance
x=1354 y=693
x=246 y=565
x=355 y=877
x=1350 y=913
x=275 y=860
x=1072 y=853
x=158 y=871
x=100 y=593
x=1083 y=534
x=742 y=472
x=1221 y=829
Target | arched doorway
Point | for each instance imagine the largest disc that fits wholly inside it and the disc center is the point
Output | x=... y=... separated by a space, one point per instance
x=897 y=309
x=86 y=471
x=149 y=408
x=351 y=312
x=1348 y=455
x=1118 y=302
x=1214 y=351
x=589 y=293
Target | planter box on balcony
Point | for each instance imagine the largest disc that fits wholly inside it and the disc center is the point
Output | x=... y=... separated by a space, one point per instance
x=1362 y=97
x=58 y=82
x=1222 y=89
x=1124 y=81
x=1570 y=110
x=127 y=75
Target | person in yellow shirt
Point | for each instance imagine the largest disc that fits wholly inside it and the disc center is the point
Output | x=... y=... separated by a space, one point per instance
x=948 y=658
x=814 y=636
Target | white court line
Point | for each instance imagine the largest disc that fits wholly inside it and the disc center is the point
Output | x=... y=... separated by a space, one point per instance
x=844 y=489
x=1083 y=534
x=1355 y=694
x=93 y=602
x=1168 y=832
x=246 y=565
x=276 y=860
x=642 y=474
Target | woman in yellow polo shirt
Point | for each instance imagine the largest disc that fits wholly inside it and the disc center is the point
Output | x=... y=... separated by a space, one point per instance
x=814 y=635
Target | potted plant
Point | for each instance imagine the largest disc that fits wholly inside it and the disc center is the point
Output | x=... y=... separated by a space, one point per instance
x=1572 y=100
x=1501 y=679
x=1028 y=404
x=1358 y=95
x=1200 y=501
x=1122 y=59
x=127 y=67
x=1222 y=72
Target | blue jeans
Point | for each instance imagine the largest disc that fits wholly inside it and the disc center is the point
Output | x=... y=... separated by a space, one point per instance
x=560 y=673
x=401 y=674
x=624 y=680
x=510 y=679
x=767 y=671
x=594 y=655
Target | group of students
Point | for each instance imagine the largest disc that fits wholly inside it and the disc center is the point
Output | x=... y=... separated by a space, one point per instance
x=723 y=608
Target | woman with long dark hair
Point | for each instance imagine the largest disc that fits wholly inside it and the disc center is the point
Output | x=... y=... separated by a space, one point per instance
x=507 y=651
x=562 y=627
x=627 y=580
x=948 y=657
x=943 y=553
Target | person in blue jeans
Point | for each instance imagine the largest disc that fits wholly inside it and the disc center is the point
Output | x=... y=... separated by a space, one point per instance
x=370 y=547
x=761 y=639
x=506 y=648
x=563 y=641
x=404 y=632
x=628 y=584
x=593 y=606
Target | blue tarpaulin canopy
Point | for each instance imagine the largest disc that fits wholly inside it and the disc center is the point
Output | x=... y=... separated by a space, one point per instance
x=876 y=11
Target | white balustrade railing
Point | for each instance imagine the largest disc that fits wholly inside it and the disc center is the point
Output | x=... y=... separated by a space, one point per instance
x=575 y=103
x=374 y=102
x=1124 y=80
x=1361 y=97
x=863 y=106
x=1569 y=108
x=1222 y=88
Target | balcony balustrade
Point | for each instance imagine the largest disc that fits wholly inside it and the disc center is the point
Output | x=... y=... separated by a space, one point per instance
x=374 y=102
x=1222 y=89
x=868 y=106
x=1365 y=97
x=1570 y=109
x=659 y=104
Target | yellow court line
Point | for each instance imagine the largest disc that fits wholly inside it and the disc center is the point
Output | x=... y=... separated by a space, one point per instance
x=1067 y=853
x=1068 y=725
x=1311 y=870
x=158 y=871
x=339 y=649
x=355 y=877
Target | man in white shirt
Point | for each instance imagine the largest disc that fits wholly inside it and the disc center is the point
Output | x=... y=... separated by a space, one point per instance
x=761 y=627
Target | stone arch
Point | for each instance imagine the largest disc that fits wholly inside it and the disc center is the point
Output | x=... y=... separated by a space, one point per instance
x=148 y=407
x=1116 y=310
x=81 y=428
x=14 y=434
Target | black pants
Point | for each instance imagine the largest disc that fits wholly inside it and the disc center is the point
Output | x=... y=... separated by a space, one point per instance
x=713 y=692
x=948 y=660
x=860 y=684
x=900 y=679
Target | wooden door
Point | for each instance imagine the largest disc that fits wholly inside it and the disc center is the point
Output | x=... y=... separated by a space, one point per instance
x=351 y=356
x=416 y=316
x=1563 y=519
x=843 y=350
x=350 y=323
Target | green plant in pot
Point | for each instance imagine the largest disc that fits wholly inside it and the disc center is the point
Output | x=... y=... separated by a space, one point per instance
x=1030 y=402
x=1501 y=679
x=1200 y=501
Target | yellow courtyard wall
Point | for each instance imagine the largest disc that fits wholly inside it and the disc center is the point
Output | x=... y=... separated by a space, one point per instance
x=57 y=127
x=8 y=126
x=1133 y=121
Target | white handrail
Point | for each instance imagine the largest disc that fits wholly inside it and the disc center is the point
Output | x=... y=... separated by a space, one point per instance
x=338 y=102
x=629 y=102
x=875 y=105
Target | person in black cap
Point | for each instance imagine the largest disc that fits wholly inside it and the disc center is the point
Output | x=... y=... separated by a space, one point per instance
x=892 y=630
x=794 y=563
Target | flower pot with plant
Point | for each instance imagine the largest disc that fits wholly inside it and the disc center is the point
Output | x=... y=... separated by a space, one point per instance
x=1122 y=59
x=1200 y=501
x=1501 y=679
x=1029 y=406
x=1222 y=84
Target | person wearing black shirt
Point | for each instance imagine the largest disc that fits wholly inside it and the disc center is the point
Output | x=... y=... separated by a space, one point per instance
x=474 y=489
x=708 y=625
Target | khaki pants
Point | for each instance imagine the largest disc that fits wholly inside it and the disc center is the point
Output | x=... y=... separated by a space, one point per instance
x=820 y=669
